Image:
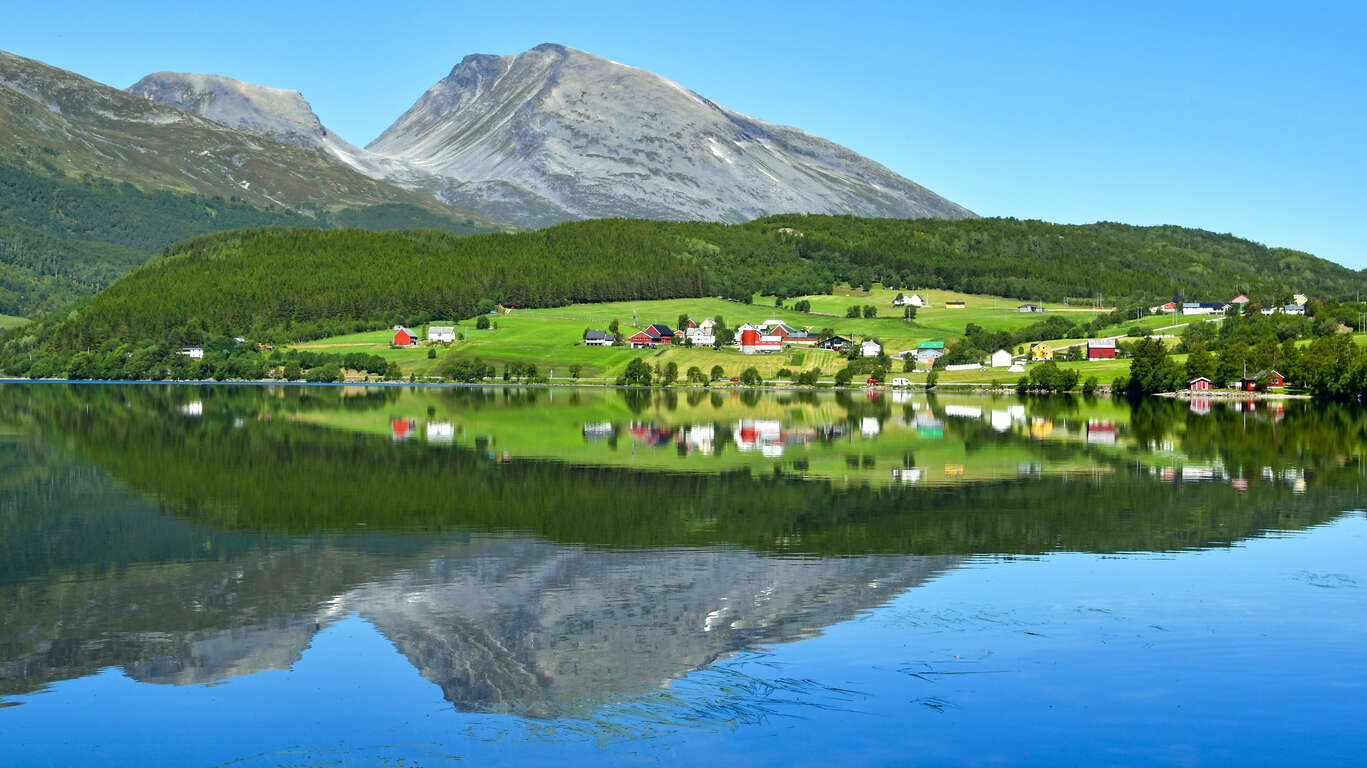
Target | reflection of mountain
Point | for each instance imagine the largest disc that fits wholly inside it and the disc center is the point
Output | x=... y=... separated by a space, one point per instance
x=500 y=623
x=226 y=541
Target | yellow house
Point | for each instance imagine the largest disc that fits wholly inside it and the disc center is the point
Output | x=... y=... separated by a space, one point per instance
x=1041 y=352
x=954 y=305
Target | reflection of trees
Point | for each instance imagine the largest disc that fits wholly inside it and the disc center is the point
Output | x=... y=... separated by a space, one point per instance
x=291 y=478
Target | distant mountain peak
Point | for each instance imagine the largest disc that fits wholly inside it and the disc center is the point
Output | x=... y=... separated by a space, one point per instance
x=590 y=137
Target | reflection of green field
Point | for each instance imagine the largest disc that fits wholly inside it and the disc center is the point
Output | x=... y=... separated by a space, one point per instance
x=959 y=451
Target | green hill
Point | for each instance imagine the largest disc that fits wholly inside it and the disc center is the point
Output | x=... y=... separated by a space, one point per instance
x=295 y=284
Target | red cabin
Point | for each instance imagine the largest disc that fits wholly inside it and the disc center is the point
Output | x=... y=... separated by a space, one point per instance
x=402 y=338
x=1199 y=384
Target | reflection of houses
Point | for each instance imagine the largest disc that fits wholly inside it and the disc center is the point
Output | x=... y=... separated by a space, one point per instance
x=764 y=435
x=906 y=476
x=1200 y=407
x=869 y=427
x=403 y=429
x=701 y=438
x=594 y=432
x=193 y=409
x=441 y=432
x=964 y=411
x=1100 y=432
x=1041 y=428
x=648 y=433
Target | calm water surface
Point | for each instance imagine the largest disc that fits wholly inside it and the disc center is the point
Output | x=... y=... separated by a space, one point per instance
x=258 y=576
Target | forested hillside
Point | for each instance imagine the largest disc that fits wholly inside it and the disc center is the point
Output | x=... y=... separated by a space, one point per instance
x=1049 y=262
x=64 y=239
x=302 y=283
x=292 y=284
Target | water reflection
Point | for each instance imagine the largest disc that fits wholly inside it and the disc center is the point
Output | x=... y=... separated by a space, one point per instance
x=547 y=557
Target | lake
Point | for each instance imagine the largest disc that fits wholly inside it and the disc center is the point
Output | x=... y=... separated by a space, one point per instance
x=261 y=576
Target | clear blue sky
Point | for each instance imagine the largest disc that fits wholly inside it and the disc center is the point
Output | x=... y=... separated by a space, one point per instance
x=1243 y=117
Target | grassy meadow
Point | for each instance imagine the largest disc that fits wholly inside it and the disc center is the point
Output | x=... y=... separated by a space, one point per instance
x=551 y=339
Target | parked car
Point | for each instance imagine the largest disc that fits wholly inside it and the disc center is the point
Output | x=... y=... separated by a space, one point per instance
x=874 y=383
x=735 y=378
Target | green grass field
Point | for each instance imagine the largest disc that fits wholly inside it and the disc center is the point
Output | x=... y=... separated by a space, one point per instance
x=551 y=339
x=9 y=321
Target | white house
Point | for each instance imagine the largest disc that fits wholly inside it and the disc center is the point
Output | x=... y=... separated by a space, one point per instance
x=700 y=338
x=900 y=381
x=914 y=300
x=598 y=338
x=1299 y=298
x=870 y=348
x=193 y=352
x=1294 y=309
x=1001 y=359
x=442 y=333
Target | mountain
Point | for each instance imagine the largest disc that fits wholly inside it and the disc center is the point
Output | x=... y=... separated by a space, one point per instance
x=272 y=113
x=84 y=166
x=555 y=133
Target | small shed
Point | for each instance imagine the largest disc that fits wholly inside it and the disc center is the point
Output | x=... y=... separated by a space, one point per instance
x=1200 y=384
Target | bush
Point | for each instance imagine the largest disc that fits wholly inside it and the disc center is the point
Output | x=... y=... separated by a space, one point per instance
x=932 y=379
x=852 y=311
x=750 y=377
x=717 y=373
x=637 y=374
x=785 y=373
x=482 y=323
x=870 y=310
x=1090 y=386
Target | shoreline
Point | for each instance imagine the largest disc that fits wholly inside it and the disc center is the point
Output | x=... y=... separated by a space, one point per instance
x=962 y=388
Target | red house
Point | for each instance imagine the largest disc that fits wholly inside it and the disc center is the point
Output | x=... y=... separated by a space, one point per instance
x=405 y=338
x=1274 y=381
x=656 y=333
x=1199 y=384
x=1101 y=349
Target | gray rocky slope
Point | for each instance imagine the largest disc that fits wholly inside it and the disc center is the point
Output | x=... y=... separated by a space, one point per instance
x=556 y=134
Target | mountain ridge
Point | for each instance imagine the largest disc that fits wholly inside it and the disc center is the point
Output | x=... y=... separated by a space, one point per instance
x=556 y=134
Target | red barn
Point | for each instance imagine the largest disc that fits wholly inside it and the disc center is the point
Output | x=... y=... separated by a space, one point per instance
x=1101 y=349
x=404 y=338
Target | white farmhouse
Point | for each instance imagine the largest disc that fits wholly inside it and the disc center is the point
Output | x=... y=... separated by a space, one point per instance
x=441 y=333
x=1001 y=359
x=870 y=348
x=914 y=300
x=196 y=353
